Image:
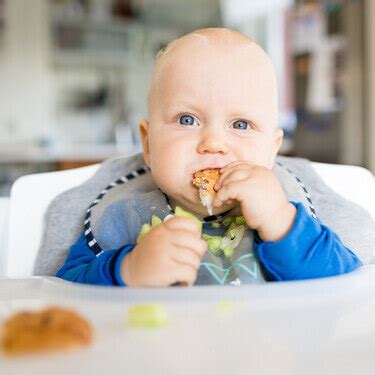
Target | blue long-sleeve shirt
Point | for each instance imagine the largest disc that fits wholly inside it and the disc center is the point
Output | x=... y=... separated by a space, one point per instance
x=309 y=250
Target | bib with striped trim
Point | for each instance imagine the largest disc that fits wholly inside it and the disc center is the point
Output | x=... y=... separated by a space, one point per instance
x=116 y=216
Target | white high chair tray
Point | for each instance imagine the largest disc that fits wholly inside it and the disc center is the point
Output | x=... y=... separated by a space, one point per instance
x=324 y=326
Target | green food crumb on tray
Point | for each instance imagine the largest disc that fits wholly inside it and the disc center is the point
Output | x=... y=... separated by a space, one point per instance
x=225 y=306
x=148 y=315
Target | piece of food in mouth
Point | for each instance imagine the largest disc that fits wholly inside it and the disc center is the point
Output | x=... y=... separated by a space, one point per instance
x=50 y=329
x=205 y=181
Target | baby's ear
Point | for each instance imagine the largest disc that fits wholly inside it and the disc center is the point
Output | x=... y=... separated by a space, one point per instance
x=277 y=142
x=143 y=130
x=278 y=139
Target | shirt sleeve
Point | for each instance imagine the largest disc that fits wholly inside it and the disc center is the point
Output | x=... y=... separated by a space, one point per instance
x=83 y=266
x=309 y=250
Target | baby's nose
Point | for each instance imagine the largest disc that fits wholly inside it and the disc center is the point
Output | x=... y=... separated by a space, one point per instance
x=212 y=141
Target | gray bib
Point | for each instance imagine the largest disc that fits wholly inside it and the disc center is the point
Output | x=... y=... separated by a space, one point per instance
x=115 y=219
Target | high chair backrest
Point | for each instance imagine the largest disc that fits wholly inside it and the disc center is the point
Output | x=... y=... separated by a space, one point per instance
x=29 y=199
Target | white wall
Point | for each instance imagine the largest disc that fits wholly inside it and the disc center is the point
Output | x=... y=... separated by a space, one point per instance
x=352 y=117
x=26 y=113
x=31 y=86
x=370 y=83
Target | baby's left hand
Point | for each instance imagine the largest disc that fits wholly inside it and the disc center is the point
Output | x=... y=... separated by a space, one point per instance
x=262 y=199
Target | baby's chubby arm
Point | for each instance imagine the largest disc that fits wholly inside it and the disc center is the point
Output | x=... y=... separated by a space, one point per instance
x=309 y=250
x=263 y=201
x=170 y=253
x=291 y=245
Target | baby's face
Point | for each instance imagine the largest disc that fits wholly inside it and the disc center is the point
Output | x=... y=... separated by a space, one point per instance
x=209 y=105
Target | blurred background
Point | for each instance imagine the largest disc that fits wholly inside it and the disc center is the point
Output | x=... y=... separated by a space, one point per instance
x=74 y=75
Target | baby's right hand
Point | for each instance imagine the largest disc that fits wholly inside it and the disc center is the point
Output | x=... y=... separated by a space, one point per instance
x=170 y=253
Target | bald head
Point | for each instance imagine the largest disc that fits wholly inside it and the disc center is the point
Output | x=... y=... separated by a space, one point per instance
x=194 y=47
x=235 y=52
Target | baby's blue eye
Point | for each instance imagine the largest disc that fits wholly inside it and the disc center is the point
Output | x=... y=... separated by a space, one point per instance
x=187 y=120
x=240 y=124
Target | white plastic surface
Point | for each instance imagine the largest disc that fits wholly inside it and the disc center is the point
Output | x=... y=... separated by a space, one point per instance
x=353 y=183
x=4 y=229
x=324 y=326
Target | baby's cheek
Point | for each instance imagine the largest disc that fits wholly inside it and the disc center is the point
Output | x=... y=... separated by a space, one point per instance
x=167 y=172
x=171 y=160
x=168 y=181
x=258 y=151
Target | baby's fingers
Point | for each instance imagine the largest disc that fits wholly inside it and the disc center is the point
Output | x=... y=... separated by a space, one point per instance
x=182 y=223
x=187 y=257
x=233 y=176
x=229 y=192
x=184 y=275
x=237 y=171
x=181 y=239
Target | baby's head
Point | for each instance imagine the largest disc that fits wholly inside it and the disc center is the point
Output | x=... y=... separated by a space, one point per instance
x=212 y=101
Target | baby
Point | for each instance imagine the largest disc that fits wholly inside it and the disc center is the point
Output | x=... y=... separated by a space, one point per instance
x=212 y=104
